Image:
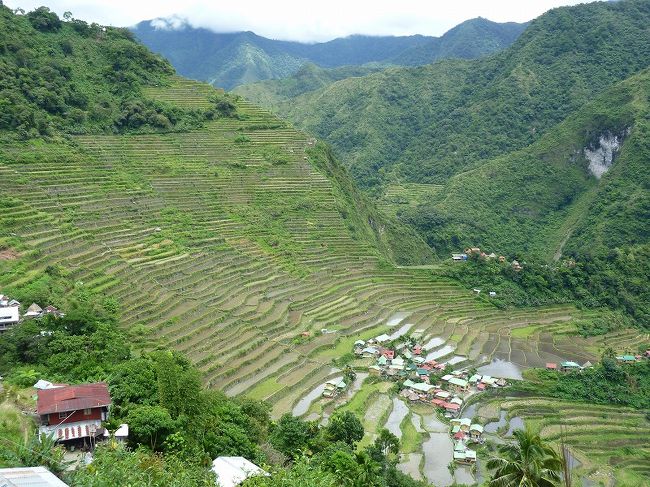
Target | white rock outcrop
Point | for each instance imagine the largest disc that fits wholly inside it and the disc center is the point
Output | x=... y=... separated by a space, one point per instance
x=601 y=157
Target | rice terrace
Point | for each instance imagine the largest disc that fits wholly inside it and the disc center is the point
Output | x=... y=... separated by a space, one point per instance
x=220 y=231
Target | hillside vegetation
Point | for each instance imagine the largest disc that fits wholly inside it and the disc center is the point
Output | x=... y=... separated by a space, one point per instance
x=228 y=60
x=426 y=124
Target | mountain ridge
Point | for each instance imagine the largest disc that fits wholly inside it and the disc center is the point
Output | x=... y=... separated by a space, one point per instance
x=231 y=59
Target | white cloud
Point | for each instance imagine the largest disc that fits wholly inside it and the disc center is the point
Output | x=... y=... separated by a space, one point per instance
x=303 y=20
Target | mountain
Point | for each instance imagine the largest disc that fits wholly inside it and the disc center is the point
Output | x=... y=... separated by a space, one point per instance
x=231 y=59
x=403 y=127
x=471 y=39
x=200 y=248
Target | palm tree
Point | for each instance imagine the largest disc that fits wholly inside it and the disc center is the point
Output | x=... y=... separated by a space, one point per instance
x=528 y=462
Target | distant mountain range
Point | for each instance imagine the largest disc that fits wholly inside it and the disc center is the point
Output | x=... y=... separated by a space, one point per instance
x=505 y=167
x=232 y=59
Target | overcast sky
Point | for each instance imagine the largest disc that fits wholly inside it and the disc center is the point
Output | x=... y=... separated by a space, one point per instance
x=304 y=20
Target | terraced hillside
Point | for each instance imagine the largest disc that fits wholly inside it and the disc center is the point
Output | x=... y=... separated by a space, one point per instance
x=616 y=437
x=230 y=241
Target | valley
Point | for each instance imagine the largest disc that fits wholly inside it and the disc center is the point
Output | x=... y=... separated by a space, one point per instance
x=219 y=270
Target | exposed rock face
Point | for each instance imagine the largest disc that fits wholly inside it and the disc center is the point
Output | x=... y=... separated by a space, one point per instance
x=602 y=154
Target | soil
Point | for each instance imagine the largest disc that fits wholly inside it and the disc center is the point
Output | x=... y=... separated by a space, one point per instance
x=8 y=254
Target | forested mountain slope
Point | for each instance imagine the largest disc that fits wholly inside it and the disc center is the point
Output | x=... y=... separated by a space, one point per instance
x=225 y=240
x=227 y=60
x=426 y=124
x=530 y=200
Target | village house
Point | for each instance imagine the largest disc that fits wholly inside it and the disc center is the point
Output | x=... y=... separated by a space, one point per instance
x=458 y=257
x=569 y=366
x=551 y=366
x=9 y=312
x=369 y=352
x=29 y=477
x=458 y=385
x=465 y=456
x=626 y=359
x=73 y=412
x=334 y=387
x=34 y=311
x=516 y=266
x=233 y=471
x=476 y=432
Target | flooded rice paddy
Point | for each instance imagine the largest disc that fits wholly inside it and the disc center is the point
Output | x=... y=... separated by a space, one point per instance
x=397 y=415
x=501 y=368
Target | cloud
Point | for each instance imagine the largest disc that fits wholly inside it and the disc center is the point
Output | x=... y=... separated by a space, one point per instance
x=303 y=20
x=173 y=22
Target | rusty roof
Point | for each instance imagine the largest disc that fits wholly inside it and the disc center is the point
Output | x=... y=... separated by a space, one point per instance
x=73 y=398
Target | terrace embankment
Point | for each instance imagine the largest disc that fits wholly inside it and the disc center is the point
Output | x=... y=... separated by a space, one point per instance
x=230 y=241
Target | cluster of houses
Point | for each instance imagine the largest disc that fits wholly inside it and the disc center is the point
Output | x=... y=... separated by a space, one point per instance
x=333 y=388
x=449 y=392
x=421 y=378
x=570 y=366
x=483 y=255
x=10 y=312
x=464 y=432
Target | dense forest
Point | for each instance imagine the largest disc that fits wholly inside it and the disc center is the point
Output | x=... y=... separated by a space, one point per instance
x=81 y=78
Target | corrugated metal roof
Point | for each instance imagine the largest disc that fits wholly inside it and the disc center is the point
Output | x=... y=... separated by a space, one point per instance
x=29 y=477
x=73 y=398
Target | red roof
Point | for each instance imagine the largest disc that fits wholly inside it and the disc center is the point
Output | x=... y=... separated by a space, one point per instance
x=451 y=405
x=551 y=365
x=73 y=398
x=480 y=386
x=459 y=435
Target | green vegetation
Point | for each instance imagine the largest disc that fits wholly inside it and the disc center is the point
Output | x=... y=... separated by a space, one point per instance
x=74 y=77
x=616 y=280
x=606 y=383
x=228 y=60
x=529 y=461
x=607 y=441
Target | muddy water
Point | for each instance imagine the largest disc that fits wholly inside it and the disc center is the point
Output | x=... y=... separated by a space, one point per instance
x=416 y=419
x=433 y=343
x=501 y=368
x=410 y=465
x=515 y=424
x=495 y=425
x=303 y=405
x=470 y=411
x=438 y=453
x=397 y=415
x=397 y=318
x=463 y=475
x=446 y=350
x=456 y=359
x=403 y=330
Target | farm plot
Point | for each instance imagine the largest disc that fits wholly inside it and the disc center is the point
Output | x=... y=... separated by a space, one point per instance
x=230 y=244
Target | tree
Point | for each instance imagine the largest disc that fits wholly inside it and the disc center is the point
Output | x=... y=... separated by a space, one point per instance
x=34 y=452
x=134 y=381
x=344 y=427
x=290 y=435
x=44 y=19
x=387 y=442
x=528 y=462
x=116 y=465
x=149 y=425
